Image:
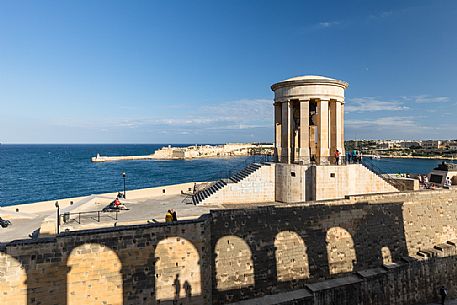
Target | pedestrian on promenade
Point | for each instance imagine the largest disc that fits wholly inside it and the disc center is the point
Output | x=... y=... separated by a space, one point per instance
x=337 y=157
x=447 y=183
x=173 y=213
x=427 y=186
x=443 y=294
x=169 y=216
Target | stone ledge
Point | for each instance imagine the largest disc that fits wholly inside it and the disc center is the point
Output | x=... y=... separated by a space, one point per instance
x=329 y=284
x=278 y=299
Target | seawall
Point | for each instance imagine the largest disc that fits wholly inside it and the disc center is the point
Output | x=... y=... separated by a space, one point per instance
x=368 y=249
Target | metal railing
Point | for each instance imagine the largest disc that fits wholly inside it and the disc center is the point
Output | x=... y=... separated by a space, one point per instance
x=94 y=215
x=323 y=160
x=260 y=158
x=368 y=163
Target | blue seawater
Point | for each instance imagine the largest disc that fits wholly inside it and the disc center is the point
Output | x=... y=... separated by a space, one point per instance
x=31 y=173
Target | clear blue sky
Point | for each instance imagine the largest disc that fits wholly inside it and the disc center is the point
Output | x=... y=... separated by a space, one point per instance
x=200 y=71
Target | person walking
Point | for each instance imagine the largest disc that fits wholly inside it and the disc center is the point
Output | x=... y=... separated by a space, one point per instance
x=443 y=294
x=447 y=183
x=337 y=157
x=169 y=216
x=173 y=213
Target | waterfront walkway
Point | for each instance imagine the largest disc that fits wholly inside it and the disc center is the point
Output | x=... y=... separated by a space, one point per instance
x=25 y=224
x=140 y=211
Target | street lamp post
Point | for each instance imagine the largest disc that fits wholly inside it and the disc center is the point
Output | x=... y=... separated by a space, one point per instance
x=58 y=216
x=123 y=176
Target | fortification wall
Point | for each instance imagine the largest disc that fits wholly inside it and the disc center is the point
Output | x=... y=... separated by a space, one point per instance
x=414 y=282
x=358 y=250
x=128 y=265
x=430 y=217
x=292 y=246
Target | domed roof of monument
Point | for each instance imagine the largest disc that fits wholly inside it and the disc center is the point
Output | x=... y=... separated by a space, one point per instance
x=309 y=80
x=307 y=77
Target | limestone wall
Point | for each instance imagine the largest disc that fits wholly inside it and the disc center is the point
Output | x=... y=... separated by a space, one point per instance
x=127 y=265
x=297 y=246
x=294 y=183
x=298 y=183
x=340 y=181
x=258 y=187
x=369 y=249
x=430 y=217
x=415 y=282
x=284 y=248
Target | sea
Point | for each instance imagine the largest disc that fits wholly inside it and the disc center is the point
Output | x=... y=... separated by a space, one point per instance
x=33 y=173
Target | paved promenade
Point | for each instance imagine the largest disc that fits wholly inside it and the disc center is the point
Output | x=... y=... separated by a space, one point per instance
x=140 y=211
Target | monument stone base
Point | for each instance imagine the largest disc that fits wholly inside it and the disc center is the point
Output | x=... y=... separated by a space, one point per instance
x=299 y=183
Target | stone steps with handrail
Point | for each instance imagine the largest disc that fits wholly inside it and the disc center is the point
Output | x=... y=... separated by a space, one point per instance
x=239 y=176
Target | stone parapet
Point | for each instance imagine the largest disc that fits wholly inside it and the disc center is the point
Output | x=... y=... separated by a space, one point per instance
x=369 y=249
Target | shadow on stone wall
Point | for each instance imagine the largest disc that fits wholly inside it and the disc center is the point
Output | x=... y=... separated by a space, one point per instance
x=358 y=235
x=226 y=256
x=124 y=265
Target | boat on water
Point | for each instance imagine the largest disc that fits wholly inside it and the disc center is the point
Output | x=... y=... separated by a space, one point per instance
x=375 y=157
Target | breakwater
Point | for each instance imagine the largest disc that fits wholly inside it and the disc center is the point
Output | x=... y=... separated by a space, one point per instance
x=99 y=158
x=194 y=152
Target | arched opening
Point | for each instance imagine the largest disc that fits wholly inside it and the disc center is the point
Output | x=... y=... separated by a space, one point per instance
x=94 y=276
x=13 y=288
x=386 y=256
x=340 y=250
x=291 y=257
x=234 y=265
x=177 y=271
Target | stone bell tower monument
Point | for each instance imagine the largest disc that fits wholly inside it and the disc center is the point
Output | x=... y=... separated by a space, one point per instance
x=309 y=119
x=309 y=129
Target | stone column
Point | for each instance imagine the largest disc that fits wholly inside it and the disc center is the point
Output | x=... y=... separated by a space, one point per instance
x=304 y=132
x=285 y=132
x=291 y=128
x=278 y=122
x=336 y=127
x=343 y=151
x=323 y=132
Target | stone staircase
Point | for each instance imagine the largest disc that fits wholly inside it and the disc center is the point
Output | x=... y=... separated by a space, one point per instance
x=248 y=171
x=384 y=176
x=200 y=196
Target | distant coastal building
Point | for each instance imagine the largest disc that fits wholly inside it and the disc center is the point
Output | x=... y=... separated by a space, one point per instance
x=409 y=144
x=196 y=151
x=452 y=145
x=209 y=151
x=432 y=144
